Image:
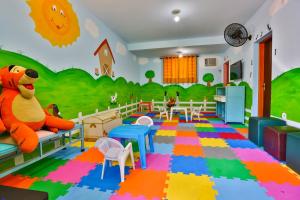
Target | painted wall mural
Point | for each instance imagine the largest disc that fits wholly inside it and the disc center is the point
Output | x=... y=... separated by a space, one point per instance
x=285 y=95
x=55 y=20
x=106 y=58
x=66 y=88
x=73 y=90
x=285 y=65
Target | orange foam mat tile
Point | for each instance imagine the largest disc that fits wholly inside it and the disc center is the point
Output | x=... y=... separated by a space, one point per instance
x=17 y=181
x=92 y=155
x=187 y=133
x=148 y=183
x=272 y=172
x=188 y=150
x=242 y=130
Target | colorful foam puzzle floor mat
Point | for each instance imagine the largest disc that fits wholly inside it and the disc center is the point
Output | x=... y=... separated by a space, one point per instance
x=199 y=160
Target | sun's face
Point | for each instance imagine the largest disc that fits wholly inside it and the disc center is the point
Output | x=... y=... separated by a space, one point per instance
x=55 y=20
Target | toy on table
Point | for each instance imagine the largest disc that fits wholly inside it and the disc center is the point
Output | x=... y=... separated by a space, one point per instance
x=171 y=102
x=21 y=113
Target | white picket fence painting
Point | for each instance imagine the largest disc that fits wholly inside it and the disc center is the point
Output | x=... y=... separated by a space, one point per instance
x=128 y=109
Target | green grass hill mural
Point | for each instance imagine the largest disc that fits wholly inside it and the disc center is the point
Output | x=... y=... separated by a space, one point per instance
x=75 y=90
x=285 y=95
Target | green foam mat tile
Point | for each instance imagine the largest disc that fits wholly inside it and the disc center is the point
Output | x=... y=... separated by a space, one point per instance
x=54 y=189
x=129 y=119
x=42 y=168
x=238 y=126
x=228 y=168
x=204 y=129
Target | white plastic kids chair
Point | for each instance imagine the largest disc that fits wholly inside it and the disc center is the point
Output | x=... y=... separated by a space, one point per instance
x=144 y=120
x=163 y=111
x=113 y=150
x=196 y=111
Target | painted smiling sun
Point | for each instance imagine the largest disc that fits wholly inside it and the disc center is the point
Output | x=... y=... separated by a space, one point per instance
x=55 y=21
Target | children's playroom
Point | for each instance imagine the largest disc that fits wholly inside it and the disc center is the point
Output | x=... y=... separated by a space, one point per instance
x=149 y=100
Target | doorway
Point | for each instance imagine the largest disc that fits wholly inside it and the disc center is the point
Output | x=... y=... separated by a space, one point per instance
x=265 y=77
x=226 y=73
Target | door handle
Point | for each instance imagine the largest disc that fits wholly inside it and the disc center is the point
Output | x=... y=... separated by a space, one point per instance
x=264 y=86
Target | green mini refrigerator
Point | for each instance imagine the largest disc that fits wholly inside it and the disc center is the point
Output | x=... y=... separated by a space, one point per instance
x=230 y=103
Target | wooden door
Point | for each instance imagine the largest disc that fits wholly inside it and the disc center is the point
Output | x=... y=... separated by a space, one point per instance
x=226 y=73
x=265 y=78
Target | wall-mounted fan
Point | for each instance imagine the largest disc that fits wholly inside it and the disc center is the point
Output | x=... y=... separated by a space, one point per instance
x=236 y=35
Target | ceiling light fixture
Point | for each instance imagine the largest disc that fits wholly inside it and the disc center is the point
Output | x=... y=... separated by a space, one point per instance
x=180 y=55
x=176 y=13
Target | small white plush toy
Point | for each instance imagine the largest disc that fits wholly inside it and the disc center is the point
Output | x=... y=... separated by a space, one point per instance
x=114 y=98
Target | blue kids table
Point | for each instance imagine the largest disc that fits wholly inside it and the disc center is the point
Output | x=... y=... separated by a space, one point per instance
x=136 y=132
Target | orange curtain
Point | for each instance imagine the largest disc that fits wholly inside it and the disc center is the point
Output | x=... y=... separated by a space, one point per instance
x=180 y=70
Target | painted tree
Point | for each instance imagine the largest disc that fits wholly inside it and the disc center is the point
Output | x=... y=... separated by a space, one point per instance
x=208 y=78
x=150 y=74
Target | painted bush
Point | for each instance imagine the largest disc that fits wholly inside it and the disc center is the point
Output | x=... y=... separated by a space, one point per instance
x=285 y=95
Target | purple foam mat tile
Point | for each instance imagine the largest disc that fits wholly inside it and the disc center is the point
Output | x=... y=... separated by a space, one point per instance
x=208 y=134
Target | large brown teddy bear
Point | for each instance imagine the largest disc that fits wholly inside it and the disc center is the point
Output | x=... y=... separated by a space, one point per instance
x=20 y=112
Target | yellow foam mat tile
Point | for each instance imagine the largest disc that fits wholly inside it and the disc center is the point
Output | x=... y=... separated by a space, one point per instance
x=213 y=142
x=166 y=133
x=189 y=186
x=203 y=125
x=173 y=120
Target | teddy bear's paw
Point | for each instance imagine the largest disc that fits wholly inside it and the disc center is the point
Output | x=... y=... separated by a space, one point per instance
x=25 y=137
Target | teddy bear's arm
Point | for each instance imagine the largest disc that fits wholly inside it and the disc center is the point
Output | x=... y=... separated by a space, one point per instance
x=55 y=122
x=2 y=127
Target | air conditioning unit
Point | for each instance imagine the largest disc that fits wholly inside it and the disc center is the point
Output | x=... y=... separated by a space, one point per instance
x=210 y=62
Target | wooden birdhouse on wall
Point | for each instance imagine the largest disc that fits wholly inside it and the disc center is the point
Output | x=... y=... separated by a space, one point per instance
x=106 y=58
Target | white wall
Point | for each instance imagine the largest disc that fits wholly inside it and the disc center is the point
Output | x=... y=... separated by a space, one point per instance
x=18 y=34
x=156 y=65
x=286 y=41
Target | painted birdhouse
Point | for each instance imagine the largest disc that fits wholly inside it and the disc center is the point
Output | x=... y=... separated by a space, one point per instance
x=106 y=58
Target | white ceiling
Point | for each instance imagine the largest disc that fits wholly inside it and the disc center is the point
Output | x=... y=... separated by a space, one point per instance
x=194 y=50
x=149 y=30
x=151 y=20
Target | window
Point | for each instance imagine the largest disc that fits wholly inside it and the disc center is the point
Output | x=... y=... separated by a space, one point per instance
x=180 y=70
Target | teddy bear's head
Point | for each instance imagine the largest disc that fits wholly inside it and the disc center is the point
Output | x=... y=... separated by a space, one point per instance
x=18 y=78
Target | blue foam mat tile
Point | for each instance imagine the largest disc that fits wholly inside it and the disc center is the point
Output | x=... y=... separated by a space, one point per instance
x=150 y=114
x=236 y=189
x=83 y=193
x=226 y=130
x=246 y=144
x=111 y=179
x=165 y=149
x=189 y=165
x=127 y=122
x=157 y=120
x=216 y=122
x=155 y=127
x=209 y=114
x=67 y=154
x=188 y=125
